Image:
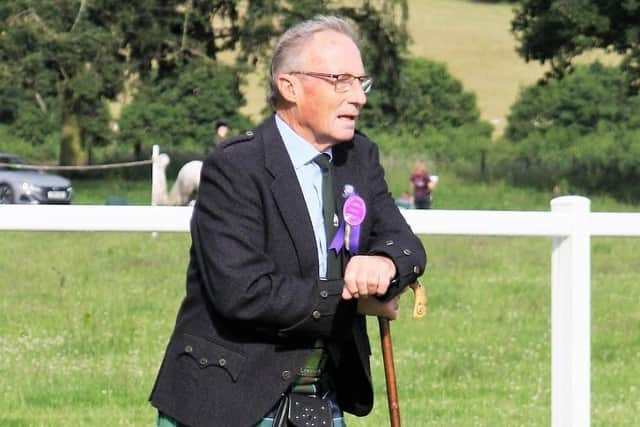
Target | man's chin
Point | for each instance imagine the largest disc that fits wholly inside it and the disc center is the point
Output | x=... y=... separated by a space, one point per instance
x=345 y=135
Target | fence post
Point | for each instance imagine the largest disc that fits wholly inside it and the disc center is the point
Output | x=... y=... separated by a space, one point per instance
x=154 y=172
x=571 y=316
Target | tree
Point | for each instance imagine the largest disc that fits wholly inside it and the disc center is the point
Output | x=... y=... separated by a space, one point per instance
x=581 y=130
x=428 y=95
x=62 y=65
x=79 y=52
x=559 y=30
x=591 y=97
x=383 y=38
x=180 y=110
x=69 y=56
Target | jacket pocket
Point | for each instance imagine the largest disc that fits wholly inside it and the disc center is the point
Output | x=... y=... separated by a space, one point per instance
x=209 y=355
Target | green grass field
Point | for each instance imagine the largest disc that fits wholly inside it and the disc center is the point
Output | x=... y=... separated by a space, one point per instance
x=84 y=318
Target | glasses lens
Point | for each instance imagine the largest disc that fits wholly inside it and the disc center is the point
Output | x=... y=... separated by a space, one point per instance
x=343 y=82
x=366 y=84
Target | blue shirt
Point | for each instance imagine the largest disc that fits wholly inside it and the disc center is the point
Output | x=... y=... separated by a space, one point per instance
x=309 y=174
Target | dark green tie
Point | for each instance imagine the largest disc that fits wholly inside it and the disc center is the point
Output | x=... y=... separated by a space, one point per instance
x=329 y=213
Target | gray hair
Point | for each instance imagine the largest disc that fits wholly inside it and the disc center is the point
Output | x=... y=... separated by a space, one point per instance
x=288 y=49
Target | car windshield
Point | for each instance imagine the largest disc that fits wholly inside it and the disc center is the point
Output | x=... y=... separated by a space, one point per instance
x=12 y=160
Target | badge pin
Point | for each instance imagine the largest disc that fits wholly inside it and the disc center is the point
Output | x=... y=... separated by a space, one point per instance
x=348 y=190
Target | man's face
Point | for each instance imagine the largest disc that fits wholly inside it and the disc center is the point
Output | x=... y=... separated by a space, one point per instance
x=324 y=116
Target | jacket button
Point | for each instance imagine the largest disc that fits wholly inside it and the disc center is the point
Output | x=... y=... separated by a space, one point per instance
x=222 y=362
x=188 y=349
x=316 y=314
x=285 y=375
x=406 y=251
x=416 y=269
x=389 y=242
x=324 y=293
x=203 y=361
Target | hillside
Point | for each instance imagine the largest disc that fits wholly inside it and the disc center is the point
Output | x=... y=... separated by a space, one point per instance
x=475 y=41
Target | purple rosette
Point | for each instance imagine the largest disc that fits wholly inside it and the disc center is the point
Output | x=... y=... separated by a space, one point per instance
x=348 y=235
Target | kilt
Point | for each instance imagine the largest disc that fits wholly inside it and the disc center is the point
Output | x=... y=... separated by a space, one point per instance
x=338 y=420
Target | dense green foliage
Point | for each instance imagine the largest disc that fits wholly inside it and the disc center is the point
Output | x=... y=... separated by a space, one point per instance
x=592 y=97
x=426 y=95
x=179 y=111
x=436 y=117
x=28 y=120
x=580 y=132
x=179 y=88
x=558 y=30
x=577 y=130
x=56 y=57
x=61 y=60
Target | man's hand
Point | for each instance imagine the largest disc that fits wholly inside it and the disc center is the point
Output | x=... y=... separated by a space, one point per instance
x=367 y=275
x=370 y=306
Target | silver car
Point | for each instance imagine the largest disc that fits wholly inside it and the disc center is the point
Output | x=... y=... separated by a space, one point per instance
x=19 y=185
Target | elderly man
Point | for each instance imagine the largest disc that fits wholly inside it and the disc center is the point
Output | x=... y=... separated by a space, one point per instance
x=295 y=239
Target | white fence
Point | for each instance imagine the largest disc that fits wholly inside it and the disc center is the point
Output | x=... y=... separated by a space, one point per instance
x=570 y=224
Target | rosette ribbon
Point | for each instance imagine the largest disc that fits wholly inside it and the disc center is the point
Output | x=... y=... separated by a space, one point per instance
x=348 y=235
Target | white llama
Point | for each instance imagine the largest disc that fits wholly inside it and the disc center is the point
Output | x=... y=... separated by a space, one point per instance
x=185 y=186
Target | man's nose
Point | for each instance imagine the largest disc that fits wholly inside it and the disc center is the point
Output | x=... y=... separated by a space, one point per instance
x=357 y=95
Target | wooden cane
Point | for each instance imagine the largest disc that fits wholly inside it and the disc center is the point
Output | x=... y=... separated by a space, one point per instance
x=419 y=310
x=389 y=372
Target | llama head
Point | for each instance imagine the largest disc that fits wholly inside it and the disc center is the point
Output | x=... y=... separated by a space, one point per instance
x=163 y=160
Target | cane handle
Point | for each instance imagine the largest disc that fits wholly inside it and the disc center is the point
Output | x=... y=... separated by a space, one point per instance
x=420 y=300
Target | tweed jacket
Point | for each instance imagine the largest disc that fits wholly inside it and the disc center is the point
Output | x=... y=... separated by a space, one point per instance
x=254 y=304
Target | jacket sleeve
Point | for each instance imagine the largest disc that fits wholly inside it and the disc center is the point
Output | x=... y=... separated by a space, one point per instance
x=390 y=234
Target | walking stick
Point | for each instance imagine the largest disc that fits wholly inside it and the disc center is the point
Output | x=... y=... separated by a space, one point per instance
x=419 y=311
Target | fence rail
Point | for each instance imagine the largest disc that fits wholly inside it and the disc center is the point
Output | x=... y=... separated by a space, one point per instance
x=569 y=224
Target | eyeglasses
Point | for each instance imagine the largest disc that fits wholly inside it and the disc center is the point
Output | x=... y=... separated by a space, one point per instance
x=341 y=82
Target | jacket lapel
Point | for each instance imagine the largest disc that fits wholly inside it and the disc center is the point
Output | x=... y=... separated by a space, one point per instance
x=288 y=197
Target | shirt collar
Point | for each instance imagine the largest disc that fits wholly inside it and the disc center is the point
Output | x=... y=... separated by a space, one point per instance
x=300 y=150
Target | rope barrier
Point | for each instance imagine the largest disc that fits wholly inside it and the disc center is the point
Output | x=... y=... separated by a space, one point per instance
x=78 y=168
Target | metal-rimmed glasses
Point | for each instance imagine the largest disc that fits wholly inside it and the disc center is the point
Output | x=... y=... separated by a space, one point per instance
x=341 y=82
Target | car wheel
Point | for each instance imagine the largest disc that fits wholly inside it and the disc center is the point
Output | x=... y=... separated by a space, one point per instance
x=6 y=194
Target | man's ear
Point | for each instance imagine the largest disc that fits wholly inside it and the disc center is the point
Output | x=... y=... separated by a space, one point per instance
x=288 y=87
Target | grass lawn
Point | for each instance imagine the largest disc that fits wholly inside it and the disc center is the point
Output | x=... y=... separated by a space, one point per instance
x=84 y=318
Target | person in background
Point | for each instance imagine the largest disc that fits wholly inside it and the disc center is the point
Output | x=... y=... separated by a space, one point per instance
x=295 y=239
x=222 y=130
x=422 y=185
x=405 y=201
